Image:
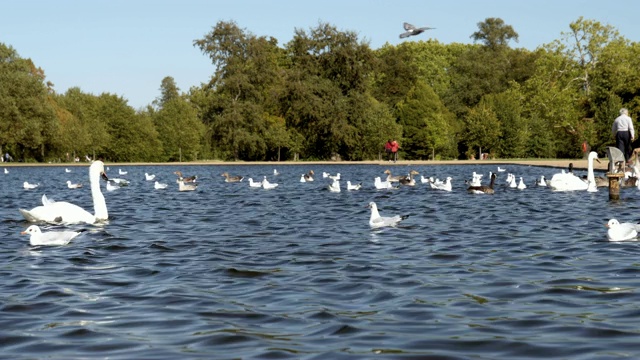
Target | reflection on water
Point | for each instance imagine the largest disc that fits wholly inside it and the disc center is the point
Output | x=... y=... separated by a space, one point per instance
x=230 y=271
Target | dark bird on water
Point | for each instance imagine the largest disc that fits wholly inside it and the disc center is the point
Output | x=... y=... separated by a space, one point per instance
x=412 y=30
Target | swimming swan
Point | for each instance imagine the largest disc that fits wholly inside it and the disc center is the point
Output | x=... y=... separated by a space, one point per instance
x=65 y=212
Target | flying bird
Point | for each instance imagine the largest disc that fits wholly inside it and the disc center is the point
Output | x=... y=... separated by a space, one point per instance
x=412 y=30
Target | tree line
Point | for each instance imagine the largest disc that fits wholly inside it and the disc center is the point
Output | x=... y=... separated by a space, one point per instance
x=327 y=94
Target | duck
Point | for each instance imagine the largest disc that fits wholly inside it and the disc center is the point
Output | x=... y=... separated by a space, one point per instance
x=65 y=212
x=27 y=186
x=350 y=186
x=334 y=186
x=377 y=221
x=149 y=177
x=442 y=185
x=52 y=238
x=71 y=185
x=254 y=184
x=188 y=179
x=621 y=231
x=159 y=186
x=229 y=178
x=409 y=180
x=309 y=176
x=267 y=185
x=186 y=186
x=483 y=189
x=521 y=184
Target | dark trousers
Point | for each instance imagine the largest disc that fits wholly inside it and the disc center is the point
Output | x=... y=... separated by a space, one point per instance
x=623 y=142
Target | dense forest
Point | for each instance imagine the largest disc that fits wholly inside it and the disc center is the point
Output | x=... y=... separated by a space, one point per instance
x=326 y=94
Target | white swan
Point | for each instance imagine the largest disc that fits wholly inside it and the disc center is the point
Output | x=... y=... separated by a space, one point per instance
x=569 y=182
x=376 y=221
x=65 y=212
x=159 y=186
x=149 y=177
x=55 y=238
x=621 y=232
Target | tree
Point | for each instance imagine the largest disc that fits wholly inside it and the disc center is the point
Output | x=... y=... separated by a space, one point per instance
x=483 y=129
x=494 y=33
x=168 y=91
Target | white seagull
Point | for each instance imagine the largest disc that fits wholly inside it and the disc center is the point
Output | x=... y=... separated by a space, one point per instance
x=353 y=186
x=621 y=232
x=6 y=171
x=541 y=181
x=334 y=186
x=149 y=177
x=521 y=184
x=255 y=184
x=267 y=185
x=65 y=212
x=111 y=186
x=28 y=186
x=67 y=170
x=71 y=185
x=121 y=172
x=159 y=186
x=55 y=238
x=442 y=185
x=376 y=221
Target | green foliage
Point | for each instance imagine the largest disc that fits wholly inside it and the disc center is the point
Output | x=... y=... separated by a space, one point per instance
x=483 y=129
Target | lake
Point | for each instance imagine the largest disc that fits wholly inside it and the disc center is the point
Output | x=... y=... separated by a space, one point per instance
x=233 y=272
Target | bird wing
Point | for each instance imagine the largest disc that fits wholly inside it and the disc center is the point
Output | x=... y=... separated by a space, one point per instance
x=408 y=26
x=404 y=35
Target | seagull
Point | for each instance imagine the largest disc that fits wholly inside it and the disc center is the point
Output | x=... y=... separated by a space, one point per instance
x=541 y=181
x=111 y=186
x=121 y=172
x=149 y=177
x=412 y=30
x=49 y=238
x=71 y=185
x=182 y=186
x=334 y=186
x=501 y=169
x=446 y=185
x=267 y=185
x=335 y=177
x=275 y=172
x=28 y=186
x=254 y=184
x=621 y=232
x=159 y=186
x=521 y=184
x=376 y=221
x=67 y=170
x=353 y=186
x=6 y=171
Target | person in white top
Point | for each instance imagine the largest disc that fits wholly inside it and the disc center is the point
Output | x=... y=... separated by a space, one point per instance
x=622 y=130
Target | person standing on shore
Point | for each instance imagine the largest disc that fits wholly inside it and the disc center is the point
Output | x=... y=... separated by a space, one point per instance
x=394 y=150
x=387 y=149
x=622 y=130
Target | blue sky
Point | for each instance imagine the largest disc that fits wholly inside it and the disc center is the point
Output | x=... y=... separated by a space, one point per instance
x=126 y=47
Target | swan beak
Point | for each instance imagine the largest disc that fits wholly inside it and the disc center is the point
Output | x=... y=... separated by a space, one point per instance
x=104 y=176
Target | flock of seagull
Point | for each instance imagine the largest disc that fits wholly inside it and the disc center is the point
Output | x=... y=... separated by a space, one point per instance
x=61 y=212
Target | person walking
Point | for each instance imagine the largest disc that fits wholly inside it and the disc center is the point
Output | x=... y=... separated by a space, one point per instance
x=394 y=150
x=623 y=132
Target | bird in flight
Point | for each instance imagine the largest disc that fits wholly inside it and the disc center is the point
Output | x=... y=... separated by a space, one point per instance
x=412 y=30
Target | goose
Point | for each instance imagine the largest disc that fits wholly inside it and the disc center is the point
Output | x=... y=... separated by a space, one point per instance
x=229 y=178
x=541 y=181
x=567 y=181
x=186 y=186
x=521 y=184
x=188 y=179
x=391 y=178
x=65 y=212
x=149 y=177
x=376 y=221
x=411 y=30
x=443 y=185
x=309 y=176
x=483 y=189
x=159 y=186
x=122 y=172
x=334 y=186
x=267 y=185
x=54 y=238
x=409 y=180
x=621 y=232
x=28 y=186
x=71 y=185
x=353 y=186
x=254 y=184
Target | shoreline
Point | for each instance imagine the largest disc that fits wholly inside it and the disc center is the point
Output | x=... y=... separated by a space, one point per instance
x=555 y=163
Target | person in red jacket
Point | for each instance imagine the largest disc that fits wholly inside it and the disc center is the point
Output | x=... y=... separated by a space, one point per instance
x=387 y=149
x=394 y=150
